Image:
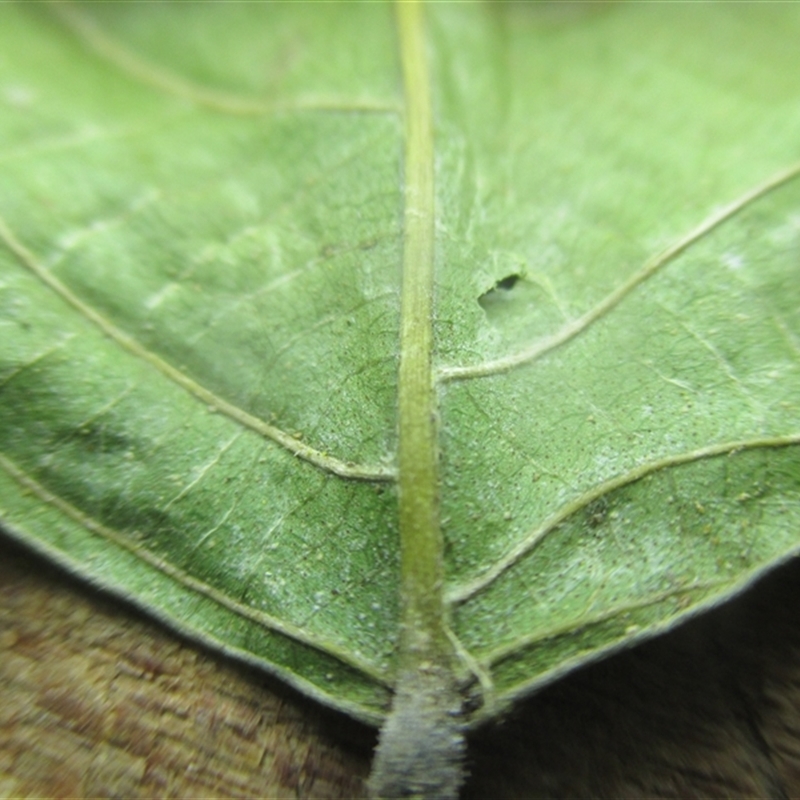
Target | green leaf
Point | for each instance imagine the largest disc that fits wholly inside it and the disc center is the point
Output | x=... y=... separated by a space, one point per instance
x=228 y=393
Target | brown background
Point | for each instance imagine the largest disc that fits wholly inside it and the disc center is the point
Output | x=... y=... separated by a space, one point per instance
x=98 y=701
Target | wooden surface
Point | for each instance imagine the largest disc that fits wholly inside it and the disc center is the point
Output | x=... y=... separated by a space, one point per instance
x=98 y=701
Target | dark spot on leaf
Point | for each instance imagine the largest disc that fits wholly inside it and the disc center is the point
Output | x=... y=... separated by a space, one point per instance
x=597 y=511
x=97 y=438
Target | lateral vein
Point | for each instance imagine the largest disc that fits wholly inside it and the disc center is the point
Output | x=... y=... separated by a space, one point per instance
x=163 y=79
x=648 y=269
x=460 y=594
x=570 y=628
x=344 y=469
x=184 y=578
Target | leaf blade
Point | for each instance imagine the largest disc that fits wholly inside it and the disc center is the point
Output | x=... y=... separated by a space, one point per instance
x=259 y=256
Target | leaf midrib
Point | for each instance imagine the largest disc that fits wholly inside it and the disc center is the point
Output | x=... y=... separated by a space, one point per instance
x=424 y=633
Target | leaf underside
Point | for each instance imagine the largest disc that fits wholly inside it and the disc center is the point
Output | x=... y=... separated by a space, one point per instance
x=201 y=213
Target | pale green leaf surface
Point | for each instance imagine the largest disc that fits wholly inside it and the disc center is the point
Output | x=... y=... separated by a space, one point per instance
x=222 y=184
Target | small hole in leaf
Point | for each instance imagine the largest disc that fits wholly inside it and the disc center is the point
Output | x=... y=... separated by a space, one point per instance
x=503 y=285
x=507 y=283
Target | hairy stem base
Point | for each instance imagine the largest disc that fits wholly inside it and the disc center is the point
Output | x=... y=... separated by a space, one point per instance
x=421 y=749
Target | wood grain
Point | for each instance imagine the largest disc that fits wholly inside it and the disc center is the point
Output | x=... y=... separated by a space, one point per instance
x=98 y=701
